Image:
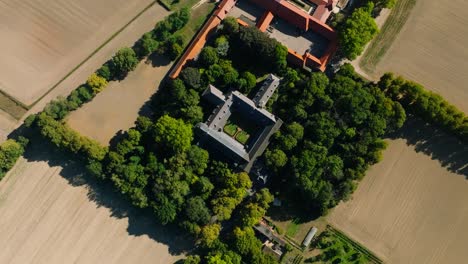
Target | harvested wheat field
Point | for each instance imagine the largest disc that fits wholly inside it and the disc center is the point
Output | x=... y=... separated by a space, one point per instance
x=117 y=107
x=53 y=214
x=412 y=206
x=42 y=41
x=432 y=49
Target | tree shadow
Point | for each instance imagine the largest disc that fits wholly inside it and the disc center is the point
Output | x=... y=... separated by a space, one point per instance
x=158 y=60
x=451 y=152
x=102 y=193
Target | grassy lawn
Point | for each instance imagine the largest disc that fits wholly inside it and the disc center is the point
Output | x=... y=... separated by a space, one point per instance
x=292 y=229
x=230 y=129
x=10 y=106
x=198 y=17
x=379 y=46
x=242 y=137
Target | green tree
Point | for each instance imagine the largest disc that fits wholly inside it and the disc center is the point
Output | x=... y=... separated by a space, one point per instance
x=191 y=77
x=96 y=83
x=208 y=56
x=104 y=72
x=10 y=151
x=222 y=46
x=249 y=82
x=124 y=61
x=209 y=234
x=230 y=25
x=173 y=134
x=357 y=31
x=197 y=211
x=164 y=210
x=275 y=159
x=147 y=45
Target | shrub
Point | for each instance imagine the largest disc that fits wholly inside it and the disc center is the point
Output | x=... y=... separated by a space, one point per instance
x=10 y=151
x=124 y=61
x=104 y=72
x=96 y=83
x=222 y=46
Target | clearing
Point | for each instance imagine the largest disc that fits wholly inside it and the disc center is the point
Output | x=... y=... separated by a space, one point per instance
x=411 y=207
x=117 y=107
x=53 y=213
x=45 y=42
x=430 y=49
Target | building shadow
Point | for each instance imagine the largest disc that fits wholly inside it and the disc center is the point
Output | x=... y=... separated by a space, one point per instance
x=451 y=152
x=102 y=193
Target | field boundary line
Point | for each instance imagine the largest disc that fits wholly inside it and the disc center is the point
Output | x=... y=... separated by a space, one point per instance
x=340 y=235
x=92 y=54
x=387 y=35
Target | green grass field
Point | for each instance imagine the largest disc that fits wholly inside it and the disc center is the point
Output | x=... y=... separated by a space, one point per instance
x=292 y=229
x=242 y=137
x=230 y=129
x=384 y=40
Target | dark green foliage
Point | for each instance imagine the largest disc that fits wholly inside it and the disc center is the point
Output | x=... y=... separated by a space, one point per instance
x=196 y=210
x=208 y=56
x=105 y=72
x=428 y=105
x=146 y=45
x=357 y=31
x=58 y=108
x=124 y=61
x=179 y=19
x=269 y=53
x=191 y=77
x=230 y=25
x=64 y=137
x=275 y=159
x=10 y=151
x=247 y=82
x=172 y=135
x=332 y=134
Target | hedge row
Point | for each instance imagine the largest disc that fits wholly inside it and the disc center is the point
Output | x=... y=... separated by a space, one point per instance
x=430 y=106
x=161 y=40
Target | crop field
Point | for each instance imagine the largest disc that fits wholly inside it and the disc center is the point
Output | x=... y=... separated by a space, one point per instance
x=117 y=107
x=53 y=213
x=411 y=207
x=430 y=49
x=43 y=41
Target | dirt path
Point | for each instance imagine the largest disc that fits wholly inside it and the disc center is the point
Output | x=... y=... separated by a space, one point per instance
x=412 y=207
x=52 y=214
x=118 y=106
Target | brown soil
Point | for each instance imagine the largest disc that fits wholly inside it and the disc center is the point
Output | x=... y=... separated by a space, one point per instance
x=43 y=41
x=432 y=49
x=53 y=213
x=412 y=207
x=117 y=107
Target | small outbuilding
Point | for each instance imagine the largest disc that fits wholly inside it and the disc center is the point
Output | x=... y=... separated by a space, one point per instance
x=309 y=236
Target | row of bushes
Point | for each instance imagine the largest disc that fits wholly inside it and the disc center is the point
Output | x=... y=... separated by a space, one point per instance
x=160 y=39
x=10 y=151
x=430 y=106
